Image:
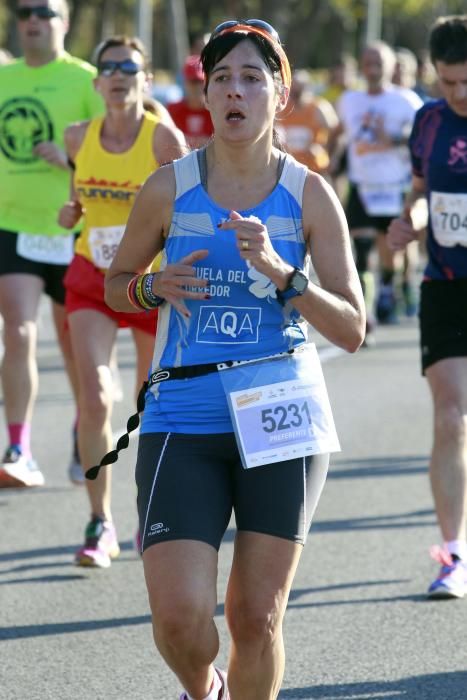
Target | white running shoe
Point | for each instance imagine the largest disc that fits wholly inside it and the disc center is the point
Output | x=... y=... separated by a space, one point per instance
x=75 y=472
x=17 y=470
x=223 y=692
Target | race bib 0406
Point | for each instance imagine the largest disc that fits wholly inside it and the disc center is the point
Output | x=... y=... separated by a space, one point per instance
x=53 y=250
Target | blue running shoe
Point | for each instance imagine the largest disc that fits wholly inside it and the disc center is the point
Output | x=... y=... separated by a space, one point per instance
x=452 y=578
x=386 y=305
x=410 y=299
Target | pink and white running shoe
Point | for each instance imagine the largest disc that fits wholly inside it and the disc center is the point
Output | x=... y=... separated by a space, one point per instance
x=223 y=692
x=452 y=578
x=100 y=545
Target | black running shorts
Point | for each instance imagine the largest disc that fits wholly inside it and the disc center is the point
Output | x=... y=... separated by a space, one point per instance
x=443 y=320
x=12 y=263
x=357 y=216
x=188 y=486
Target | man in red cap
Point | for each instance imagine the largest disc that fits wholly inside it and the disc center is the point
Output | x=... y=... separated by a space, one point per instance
x=190 y=113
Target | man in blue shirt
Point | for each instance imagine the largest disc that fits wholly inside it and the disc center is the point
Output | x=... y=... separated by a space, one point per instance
x=438 y=146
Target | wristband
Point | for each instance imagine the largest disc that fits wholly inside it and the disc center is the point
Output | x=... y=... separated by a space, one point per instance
x=153 y=299
x=139 y=293
x=131 y=293
x=143 y=294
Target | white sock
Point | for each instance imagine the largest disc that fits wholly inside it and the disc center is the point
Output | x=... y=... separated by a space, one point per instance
x=457 y=547
x=214 y=692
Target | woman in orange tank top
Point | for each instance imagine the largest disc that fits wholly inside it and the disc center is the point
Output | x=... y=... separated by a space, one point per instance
x=113 y=155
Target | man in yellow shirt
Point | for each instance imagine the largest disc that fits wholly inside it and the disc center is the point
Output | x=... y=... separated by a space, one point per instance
x=40 y=95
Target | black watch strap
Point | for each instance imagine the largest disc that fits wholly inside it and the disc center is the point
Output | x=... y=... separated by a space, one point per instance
x=296 y=286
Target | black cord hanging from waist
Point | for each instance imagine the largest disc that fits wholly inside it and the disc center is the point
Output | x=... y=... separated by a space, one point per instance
x=162 y=375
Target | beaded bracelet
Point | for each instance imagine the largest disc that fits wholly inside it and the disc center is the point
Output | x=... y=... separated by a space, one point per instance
x=140 y=294
x=146 y=288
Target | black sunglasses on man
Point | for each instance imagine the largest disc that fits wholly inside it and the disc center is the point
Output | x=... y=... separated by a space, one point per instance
x=40 y=11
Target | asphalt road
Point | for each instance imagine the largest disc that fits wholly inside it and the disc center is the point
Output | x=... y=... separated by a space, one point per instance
x=358 y=625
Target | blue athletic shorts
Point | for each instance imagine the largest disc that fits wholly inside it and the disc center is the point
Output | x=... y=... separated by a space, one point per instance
x=189 y=485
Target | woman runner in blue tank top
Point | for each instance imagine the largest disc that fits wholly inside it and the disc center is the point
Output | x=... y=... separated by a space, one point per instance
x=237 y=223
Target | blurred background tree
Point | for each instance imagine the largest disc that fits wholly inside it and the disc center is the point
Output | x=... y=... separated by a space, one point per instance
x=314 y=32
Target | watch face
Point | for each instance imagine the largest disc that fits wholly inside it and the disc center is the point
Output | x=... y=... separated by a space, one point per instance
x=299 y=282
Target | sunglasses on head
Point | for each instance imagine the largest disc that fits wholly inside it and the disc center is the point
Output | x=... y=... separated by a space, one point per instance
x=127 y=67
x=261 y=28
x=256 y=23
x=41 y=12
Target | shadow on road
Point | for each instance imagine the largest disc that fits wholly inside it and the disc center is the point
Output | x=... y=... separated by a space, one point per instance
x=417 y=518
x=52 y=629
x=126 y=546
x=436 y=686
x=399 y=465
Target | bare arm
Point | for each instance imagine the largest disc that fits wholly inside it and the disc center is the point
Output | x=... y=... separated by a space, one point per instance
x=417 y=191
x=147 y=227
x=71 y=211
x=327 y=116
x=51 y=153
x=168 y=143
x=383 y=140
x=402 y=230
x=335 y=307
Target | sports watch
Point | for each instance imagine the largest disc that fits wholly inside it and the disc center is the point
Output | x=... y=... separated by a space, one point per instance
x=296 y=286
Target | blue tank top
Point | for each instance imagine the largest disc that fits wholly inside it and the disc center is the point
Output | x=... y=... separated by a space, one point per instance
x=242 y=319
x=438 y=146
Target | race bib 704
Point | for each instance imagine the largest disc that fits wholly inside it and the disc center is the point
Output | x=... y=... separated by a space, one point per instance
x=449 y=218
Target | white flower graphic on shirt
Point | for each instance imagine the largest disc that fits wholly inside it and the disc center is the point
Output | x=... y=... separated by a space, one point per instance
x=262 y=286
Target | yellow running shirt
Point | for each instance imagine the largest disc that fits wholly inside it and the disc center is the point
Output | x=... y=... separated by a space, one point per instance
x=36 y=105
x=106 y=184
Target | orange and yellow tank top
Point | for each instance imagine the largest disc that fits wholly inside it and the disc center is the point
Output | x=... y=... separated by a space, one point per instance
x=106 y=184
x=304 y=135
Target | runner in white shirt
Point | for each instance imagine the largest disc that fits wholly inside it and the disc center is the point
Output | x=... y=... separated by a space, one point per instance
x=377 y=122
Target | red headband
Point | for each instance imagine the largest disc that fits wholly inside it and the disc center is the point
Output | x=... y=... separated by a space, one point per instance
x=286 y=73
